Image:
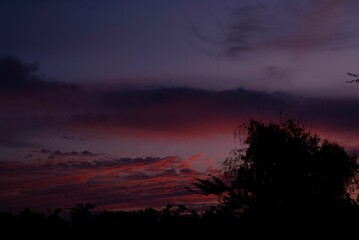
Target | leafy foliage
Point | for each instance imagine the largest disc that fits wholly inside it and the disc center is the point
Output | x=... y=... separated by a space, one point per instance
x=282 y=166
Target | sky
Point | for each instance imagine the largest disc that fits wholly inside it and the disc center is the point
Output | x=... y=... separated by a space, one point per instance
x=124 y=103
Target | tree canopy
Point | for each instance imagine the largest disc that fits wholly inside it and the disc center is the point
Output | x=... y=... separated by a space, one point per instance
x=283 y=166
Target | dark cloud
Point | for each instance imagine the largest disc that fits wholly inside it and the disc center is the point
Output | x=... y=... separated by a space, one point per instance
x=179 y=109
x=168 y=111
x=190 y=111
x=160 y=112
x=49 y=154
x=16 y=75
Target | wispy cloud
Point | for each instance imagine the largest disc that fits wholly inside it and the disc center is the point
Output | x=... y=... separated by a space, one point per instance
x=292 y=26
x=64 y=179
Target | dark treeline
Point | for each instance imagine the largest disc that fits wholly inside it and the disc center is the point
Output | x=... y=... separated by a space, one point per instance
x=181 y=221
x=281 y=178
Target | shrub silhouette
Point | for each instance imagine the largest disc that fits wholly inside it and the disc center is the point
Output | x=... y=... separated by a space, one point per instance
x=282 y=168
x=81 y=214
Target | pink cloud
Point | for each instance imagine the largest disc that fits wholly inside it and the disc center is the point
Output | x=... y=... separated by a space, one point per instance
x=112 y=183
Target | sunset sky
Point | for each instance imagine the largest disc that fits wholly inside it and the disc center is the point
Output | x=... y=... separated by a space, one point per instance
x=124 y=103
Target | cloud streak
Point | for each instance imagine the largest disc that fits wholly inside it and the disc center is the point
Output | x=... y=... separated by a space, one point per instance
x=292 y=26
x=62 y=180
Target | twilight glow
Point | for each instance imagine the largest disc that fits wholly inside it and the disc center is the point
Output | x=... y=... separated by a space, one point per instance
x=124 y=103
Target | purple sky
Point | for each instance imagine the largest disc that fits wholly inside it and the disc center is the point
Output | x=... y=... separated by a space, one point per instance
x=161 y=83
x=299 y=46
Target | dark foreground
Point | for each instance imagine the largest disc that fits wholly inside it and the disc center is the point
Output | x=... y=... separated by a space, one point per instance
x=179 y=222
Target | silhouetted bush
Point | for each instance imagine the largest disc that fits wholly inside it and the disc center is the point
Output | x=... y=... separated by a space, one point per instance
x=282 y=172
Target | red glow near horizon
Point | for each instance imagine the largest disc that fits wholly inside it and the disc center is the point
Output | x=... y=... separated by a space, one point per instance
x=163 y=85
x=113 y=184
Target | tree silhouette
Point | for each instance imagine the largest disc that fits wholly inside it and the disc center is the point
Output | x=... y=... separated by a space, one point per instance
x=281 y=167
x=81 y=214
